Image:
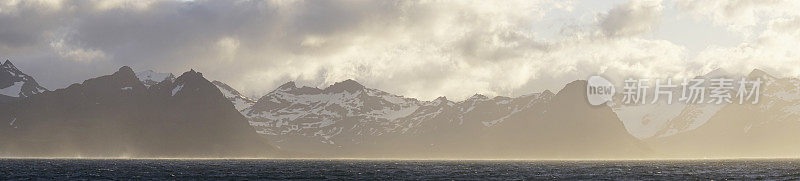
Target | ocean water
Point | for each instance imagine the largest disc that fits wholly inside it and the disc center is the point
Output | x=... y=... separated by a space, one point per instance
x=137 y=169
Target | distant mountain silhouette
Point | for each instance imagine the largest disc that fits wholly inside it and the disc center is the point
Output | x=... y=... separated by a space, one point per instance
x=117 y=115
x=770 y=128
x=658 y=120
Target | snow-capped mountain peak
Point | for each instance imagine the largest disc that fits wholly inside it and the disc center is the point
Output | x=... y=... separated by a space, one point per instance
x=150 y=77
x=441 y=100
x=15 y=83
x=7 y=65
x=477 y=97
x=349 y=112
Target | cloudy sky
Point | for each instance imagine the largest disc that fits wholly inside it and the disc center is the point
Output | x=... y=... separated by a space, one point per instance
x=418 y=48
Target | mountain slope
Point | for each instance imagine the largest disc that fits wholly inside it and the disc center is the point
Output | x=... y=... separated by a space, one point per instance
x=15 y=84
x=116 y=115
x=348 y=119
x=151 y=78
x=239 y=101
x=766 y=129
x=661 y=119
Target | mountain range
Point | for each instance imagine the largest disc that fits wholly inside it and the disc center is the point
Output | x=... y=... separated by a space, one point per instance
x=118 y=115
x=770 y=128
x=156 y=114
x=350 y=120
x=347 y=118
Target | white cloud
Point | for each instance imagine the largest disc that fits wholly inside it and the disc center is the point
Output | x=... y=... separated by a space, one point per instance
x=744 y=16
x=770 y=29
x=631 y=18
x=773 y=49
x=77 y=54
x=422 y=49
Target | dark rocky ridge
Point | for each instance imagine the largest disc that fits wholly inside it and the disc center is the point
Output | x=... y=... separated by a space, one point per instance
x=117 y=116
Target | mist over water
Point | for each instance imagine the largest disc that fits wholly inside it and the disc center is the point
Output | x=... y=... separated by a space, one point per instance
x=214 y=169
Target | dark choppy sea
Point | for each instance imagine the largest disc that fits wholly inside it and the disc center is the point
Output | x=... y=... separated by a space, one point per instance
x=106 y=169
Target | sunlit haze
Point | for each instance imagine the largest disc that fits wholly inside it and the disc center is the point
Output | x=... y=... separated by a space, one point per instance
x=399 y=89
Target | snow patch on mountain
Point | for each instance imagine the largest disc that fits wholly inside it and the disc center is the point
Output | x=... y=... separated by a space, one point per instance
x=150 y=77
x=15 y=83
x=348 y=108
x=177 y=89
x=240 y=102
x=389 y=114
x=644 y=121
x=498 y=121
x=534 y=98
x=15 y=90
x=791 y=110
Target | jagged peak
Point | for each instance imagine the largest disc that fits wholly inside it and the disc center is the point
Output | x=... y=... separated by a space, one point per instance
x=29 y=87
x=292 y=88
x=440 y=100
x=10 y=68
x=8 y=65
x=189 y=75
x=191 y=72
x=478 y=97
x=348 y=85
x=288 y=86
x=349 y=82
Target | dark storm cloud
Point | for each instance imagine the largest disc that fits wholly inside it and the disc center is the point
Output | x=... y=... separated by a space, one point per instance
x=174 y=35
